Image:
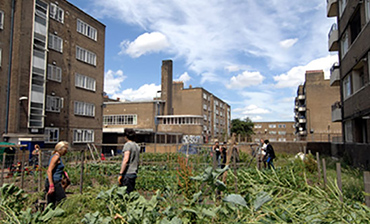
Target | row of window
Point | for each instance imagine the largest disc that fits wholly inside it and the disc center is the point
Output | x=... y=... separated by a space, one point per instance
x=55 y=103
x=180 y=120
x=51 y=135
x=270 y=126
x=57 y=13
x=82 y=81
x=129 y=119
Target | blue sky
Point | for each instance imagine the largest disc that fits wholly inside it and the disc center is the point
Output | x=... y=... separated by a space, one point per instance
x=252 y=54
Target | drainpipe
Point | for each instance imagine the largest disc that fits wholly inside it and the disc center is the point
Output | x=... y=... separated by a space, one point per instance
x=10 y=68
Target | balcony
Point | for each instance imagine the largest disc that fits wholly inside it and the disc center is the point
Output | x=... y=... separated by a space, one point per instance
x=336 y=112
x=333 y=38
x=301 y=97
x=302 y=120
x=302 y=108
x=334 y=75
x=332 y=8
x=302 y=133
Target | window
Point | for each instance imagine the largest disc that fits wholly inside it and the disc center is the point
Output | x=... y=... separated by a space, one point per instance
x=344 y=44
x=54 y=73
x=205 y=96
x=355 y=25
x=281 y=126
x=205 y=106
x=272 y=125
x=83 y=135
x=282 y=132
x=347 y=87
x=86 y=29
x=55 y=43
x=53 y=103
x=1 y=19
x=205 y=117
x=85 y=55
x=272 y=132
x=56 y=13
x=367 y=10
x=51 y=135
x=84 y=109
x=257 y=126
x=120 y=119
x=358 y=79
x=348 y=131
x=85 y=82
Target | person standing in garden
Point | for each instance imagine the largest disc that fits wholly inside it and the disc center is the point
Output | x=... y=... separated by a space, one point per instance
x=35 y=155
x=55 y=171
x=270 y=154
x=130 y=162
x=217 y=151
x=223 y=155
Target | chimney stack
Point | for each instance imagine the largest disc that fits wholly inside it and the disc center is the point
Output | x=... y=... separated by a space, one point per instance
x=167 y=86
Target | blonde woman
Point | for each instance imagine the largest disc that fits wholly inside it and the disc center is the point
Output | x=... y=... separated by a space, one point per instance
x=53 y=186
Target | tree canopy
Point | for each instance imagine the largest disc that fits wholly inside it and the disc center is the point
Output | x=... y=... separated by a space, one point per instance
x=242 y=127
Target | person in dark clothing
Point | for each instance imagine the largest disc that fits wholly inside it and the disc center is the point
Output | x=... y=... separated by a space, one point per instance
x=216 y=149
x=270 y=154
x=223 y=155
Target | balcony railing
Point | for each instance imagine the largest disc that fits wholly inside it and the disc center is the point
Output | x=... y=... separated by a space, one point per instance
x=333 y=38
x=334 y=75
x=336 y=112
x=302 y=108
x=301 y=97
x=332 y=8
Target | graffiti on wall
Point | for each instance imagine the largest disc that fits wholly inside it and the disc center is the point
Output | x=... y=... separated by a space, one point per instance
x=193 y=139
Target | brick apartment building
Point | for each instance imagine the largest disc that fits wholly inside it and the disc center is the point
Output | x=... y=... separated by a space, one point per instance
x=179 y=114
x=313 y=117
x=350 y=37
x=274 y=131
x=51 y=73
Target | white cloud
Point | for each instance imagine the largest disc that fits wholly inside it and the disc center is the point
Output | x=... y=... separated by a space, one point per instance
x=145 y=92
x=185 y=77
x=144 y=44
x=232 y=68
x=245 y=79
x=251 y=109
x=112 y=81
x=288 y=43
x=212 y=36
x=296 y=75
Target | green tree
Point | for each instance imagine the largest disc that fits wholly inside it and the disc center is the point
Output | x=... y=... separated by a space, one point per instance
x=242 y=127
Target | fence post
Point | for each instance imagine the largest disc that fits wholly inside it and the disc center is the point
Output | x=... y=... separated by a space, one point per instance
x=324 y=171
x=40 y=170
x=235 y=172
x=318 y=166
x=82 y=169
x=2 y=169
x=367 y=187
x=339 y=181
x=22 y=169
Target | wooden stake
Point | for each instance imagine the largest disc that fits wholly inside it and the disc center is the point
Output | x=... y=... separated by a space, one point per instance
x=318 y=166
x=82 y=169
x=2 y=169
x=40 y=171
x=367 y=187
x=339 y=181
x=324 y=171
x=22 y=169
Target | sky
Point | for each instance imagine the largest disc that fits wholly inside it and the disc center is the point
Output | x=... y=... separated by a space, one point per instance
x=252 y=54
